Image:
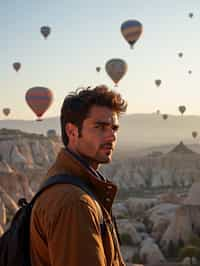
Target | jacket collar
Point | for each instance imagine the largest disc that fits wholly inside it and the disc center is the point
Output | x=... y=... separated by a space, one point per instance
x=68 y=162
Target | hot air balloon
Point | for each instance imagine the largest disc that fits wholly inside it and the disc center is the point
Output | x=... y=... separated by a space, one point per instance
x=182 y=109
x=189 y=71
x=39 y=100
x=45 y=31
x=131 y=30
x=180 y=54
x=6 y=111
x=164 y=116
x=194 y=134
x=158 y=82
x=190 y=15
x=116 y=69
x=158 y=112
x=17 y=66
x=98 y=69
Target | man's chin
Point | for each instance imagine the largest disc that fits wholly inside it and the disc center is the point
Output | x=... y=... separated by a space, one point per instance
x=108 y=159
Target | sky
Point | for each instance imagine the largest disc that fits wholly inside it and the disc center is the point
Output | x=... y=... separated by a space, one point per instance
x=86 y=34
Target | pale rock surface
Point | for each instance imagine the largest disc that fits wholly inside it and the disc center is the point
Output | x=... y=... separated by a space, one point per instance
x=119 y=210
x=182 y=225
x=127 y=226
x=128 y=252
x=1 y=230
x=193 y=195
x=138 y=206
x=5 y=168
x=159 y=218
x=170 y=197
x=2 y=213
x=150 y=252
x=17 y=158
x=8 y=201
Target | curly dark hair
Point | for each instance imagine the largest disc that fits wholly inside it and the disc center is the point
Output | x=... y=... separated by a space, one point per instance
x=77 y=105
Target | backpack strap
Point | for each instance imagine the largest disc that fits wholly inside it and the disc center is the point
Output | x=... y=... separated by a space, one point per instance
x=73 y=180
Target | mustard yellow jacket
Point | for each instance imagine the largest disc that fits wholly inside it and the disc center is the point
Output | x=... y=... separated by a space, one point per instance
x=65 y=221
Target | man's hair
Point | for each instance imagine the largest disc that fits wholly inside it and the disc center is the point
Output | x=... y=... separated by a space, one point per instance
x=77 y=105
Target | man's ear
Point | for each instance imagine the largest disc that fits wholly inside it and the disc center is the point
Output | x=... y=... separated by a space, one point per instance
x=71 y=130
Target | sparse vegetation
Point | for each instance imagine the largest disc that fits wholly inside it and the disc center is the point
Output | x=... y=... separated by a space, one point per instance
x=126 y=239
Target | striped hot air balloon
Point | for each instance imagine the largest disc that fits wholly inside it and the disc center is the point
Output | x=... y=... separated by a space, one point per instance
x=131 y=30
x=39 y=100
x=116 y=69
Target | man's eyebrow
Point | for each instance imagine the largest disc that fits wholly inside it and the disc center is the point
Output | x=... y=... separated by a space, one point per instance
x=106 y=123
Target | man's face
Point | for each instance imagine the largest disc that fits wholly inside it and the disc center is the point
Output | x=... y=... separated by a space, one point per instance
x=98 y=136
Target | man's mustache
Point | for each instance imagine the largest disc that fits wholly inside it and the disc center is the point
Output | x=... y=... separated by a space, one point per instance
x=107 y=145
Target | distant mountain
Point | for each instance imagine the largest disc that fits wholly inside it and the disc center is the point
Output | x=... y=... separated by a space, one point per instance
x=136 y=130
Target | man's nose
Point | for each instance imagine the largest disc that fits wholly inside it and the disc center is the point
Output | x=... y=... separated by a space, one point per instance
x=111 y=135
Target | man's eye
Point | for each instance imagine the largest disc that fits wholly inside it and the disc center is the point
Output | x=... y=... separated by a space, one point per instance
x=115 y=128
x=100 y=126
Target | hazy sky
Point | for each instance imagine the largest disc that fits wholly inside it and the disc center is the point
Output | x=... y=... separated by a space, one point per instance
x=86 y=34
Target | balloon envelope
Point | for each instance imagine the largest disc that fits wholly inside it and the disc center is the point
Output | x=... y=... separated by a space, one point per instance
x=98 y=69
x=131 y=30
x=6 y=111
x=39 y=99
x=165 y=116
x=194 y=134
x=116 y=69
x=45 y=31
x=17 y=66
x=158 y=82
x=158 y=112
x=182 y=109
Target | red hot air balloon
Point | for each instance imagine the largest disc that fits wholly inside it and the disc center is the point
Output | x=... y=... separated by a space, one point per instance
x=6 y=111
x=17 y=66
x=39 y=100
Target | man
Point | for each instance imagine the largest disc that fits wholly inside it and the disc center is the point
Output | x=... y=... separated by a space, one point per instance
x=66 y=227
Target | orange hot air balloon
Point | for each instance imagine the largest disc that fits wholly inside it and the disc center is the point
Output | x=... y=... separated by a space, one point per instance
x=45 y=31
x=17 y=66
x=39 y=100
x=165 y=116
x=6 y=111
